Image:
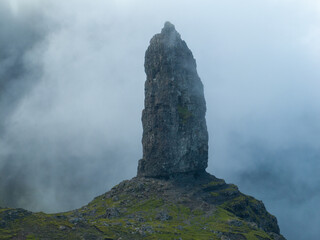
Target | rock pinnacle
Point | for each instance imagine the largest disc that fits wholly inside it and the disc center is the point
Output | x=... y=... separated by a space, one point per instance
x=175 y=137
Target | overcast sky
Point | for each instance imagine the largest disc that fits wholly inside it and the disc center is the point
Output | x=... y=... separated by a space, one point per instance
x=72 y=85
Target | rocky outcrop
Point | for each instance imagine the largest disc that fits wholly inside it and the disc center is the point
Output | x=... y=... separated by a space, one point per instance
x=172 y=197
x=175 y=137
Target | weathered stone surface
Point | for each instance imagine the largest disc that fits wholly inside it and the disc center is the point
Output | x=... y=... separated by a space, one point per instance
x=175 y=137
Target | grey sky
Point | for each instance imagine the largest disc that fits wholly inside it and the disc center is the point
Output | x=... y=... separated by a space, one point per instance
x=71 y=124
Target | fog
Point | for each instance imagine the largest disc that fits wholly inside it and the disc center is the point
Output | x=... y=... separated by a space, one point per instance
x=72 y=90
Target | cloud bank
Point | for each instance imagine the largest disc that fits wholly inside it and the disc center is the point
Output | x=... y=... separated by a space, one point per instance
x=72 y=79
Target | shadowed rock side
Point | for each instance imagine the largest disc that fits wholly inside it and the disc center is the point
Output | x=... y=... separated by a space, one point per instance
x=175 y=137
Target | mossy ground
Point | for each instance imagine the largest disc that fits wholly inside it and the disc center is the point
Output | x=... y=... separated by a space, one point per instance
x=149 y=209
x=184 y=113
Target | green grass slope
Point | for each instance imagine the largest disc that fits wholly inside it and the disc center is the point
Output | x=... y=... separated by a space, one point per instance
x=185 y=207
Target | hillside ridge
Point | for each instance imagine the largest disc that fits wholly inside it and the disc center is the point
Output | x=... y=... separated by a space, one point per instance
x=187 y=206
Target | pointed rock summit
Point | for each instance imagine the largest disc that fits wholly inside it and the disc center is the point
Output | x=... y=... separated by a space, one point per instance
x=175 y=137
x=173 y=197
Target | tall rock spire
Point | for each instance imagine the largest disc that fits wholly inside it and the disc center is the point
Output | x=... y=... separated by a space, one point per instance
x=175 y=137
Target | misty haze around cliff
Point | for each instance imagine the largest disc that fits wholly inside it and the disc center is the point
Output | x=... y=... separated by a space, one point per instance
x=72 y=91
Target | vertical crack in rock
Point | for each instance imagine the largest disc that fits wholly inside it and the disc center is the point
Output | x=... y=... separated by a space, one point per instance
x=175 y=137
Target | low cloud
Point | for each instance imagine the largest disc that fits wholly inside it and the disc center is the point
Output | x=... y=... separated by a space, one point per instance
x=72 y=80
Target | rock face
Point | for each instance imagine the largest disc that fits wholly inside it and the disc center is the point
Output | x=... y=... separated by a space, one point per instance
x=175 y=137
